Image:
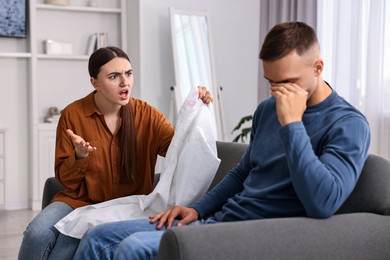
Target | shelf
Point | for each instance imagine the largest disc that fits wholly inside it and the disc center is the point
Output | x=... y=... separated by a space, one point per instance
x=15 y=55
x=62 y=57
x=78 y=8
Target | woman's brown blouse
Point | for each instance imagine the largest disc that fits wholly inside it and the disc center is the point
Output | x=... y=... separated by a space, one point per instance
x=96 y=178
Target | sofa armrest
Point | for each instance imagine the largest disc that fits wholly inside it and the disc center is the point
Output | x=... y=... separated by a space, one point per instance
x=345 y=236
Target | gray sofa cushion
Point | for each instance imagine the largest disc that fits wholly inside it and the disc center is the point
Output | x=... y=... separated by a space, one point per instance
x=372 y=192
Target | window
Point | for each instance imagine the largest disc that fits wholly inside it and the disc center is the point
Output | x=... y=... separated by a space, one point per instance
x=355 y=41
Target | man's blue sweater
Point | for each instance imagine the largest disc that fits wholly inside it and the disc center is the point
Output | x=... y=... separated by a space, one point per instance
x=306 y=168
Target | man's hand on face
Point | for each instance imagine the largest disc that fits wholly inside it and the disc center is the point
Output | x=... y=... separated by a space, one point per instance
x=291 y=102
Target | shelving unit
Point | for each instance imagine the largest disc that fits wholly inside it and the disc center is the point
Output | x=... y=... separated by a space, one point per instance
x=78 y=8
x=57 y=80
x=15 y=55
x=59 y=57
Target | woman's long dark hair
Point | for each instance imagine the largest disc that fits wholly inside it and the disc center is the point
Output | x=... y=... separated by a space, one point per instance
x=127 y=133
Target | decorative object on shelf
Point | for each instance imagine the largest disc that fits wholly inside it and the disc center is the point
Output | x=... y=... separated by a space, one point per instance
x=57 y=2
x=13 y=18
x=92 y=3
x=102 y=40
x=96 y=41
x=92 y=44
x=57 y=48
x=53 y=115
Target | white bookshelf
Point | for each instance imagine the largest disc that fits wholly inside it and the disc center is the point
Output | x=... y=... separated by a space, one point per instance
x=62 y=57
x=55 y=80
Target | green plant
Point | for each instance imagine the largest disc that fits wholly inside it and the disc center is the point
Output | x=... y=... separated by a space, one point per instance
x=245 y=131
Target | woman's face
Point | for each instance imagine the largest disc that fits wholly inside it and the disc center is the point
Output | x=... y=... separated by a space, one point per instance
x=115 y=81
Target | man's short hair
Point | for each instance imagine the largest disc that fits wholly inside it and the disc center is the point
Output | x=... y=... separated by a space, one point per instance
x=284 y=38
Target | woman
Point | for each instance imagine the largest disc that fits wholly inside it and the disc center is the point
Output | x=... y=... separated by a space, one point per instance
x=106 y=147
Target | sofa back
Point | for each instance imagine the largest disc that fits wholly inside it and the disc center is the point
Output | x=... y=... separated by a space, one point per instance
x=230 y=154
x=372 y=191
x=371 y=194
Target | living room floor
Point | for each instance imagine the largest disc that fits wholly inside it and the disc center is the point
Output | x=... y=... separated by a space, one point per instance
x=12 y=225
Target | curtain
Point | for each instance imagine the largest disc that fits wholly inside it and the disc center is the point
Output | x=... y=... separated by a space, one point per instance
x=273 y=12
x=352 y=38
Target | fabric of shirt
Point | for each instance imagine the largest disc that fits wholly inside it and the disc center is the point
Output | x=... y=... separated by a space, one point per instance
x=96 y=178
x=306 y=168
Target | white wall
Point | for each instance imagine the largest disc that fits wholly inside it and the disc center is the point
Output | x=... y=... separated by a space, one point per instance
x=234 y=28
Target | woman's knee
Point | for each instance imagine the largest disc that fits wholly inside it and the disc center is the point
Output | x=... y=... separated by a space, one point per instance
x=39 y=229
x=40 y=235
x=43 y=223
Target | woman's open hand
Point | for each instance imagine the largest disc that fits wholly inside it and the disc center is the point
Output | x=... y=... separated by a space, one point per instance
x=81 y=147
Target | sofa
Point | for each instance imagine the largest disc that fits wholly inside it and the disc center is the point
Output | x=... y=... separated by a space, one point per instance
x=359 y=230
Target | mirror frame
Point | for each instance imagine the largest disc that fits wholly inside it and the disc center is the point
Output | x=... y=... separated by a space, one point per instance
x=215 y=89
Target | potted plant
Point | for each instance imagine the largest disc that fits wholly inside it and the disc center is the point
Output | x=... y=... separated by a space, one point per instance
x=244 y=130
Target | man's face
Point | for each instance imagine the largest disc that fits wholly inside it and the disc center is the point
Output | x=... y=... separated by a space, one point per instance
x=292 y=68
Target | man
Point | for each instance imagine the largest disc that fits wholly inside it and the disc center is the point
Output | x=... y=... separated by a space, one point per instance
x=306 y=152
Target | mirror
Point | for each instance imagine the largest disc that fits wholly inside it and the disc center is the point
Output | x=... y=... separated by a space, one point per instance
x=193 y=62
